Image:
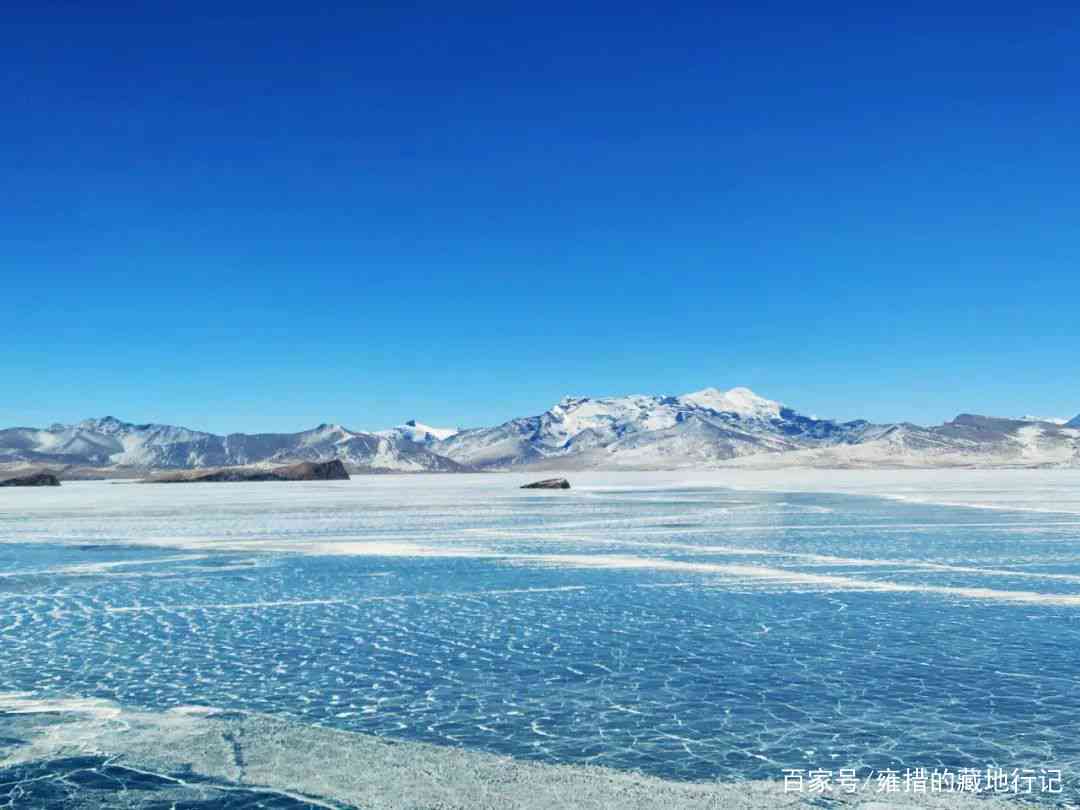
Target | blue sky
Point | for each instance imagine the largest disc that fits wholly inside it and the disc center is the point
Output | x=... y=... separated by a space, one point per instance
x=267 y=217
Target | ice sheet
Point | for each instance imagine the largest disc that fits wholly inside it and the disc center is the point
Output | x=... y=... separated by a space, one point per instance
x=691 y=628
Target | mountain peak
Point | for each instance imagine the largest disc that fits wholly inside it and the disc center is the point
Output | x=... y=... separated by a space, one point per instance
x=738 y=400
x=328 y=427
x=1074 y=422
x=104 y=424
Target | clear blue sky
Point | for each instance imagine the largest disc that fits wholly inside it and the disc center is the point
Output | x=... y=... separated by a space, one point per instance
x=265 y=216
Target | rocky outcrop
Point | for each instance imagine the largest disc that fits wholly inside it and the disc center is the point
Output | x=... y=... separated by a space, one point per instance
x=549 y=483
x=41 y=479
x=332 y=470
x=305 y=471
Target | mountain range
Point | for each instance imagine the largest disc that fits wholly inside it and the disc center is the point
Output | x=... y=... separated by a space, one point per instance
x=701 y=430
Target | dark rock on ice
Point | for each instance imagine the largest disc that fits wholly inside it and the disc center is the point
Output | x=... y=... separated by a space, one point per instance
x=41 y=479
x=305 y=471
x=549 y=483
x=314 y=471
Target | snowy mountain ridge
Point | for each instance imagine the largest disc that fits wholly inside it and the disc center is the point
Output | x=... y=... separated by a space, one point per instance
x=110 y=442
x=704 y=429
x=715 y=428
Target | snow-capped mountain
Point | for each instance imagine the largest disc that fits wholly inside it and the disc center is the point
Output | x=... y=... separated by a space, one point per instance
x=712 y=428
x=110 y=442
x=418 y=432
x=1074 y=422
x=703 y=429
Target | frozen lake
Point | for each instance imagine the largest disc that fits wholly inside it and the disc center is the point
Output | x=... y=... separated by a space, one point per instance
x=690 y=628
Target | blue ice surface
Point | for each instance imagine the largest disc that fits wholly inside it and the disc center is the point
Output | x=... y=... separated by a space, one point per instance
x=679 y=674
